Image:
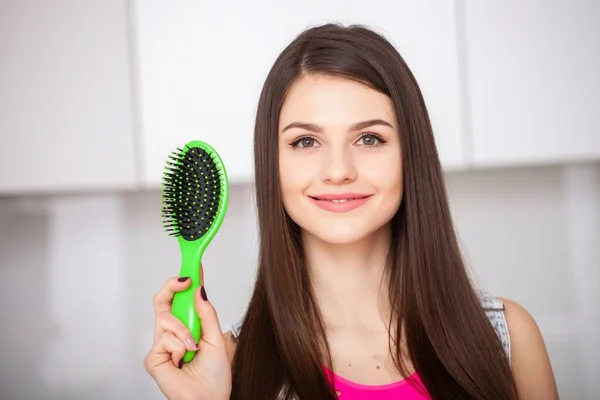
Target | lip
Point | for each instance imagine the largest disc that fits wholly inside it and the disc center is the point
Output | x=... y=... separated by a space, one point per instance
x=340 y=202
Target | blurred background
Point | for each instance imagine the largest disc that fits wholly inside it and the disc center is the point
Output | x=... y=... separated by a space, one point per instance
x=94 y=95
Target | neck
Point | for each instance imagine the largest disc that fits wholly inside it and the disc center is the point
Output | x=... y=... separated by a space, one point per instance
x=349 y=280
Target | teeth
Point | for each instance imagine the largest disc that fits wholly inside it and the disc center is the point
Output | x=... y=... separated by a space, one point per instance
x=335 y=200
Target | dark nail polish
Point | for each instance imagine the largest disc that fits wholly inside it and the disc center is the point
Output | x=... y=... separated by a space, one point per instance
x=183 y=278
x=180 y=363
x=203 y=294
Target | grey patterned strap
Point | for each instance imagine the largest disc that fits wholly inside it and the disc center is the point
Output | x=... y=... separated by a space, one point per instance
x=235 y=330
x=493 y=307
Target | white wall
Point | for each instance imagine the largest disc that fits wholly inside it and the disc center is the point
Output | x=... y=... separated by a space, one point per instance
x=77 y=276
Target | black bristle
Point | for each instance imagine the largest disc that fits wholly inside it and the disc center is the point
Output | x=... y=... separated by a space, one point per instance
x=191 y=193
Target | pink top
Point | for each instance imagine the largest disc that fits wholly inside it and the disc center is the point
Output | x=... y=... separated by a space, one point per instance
x=348 y=390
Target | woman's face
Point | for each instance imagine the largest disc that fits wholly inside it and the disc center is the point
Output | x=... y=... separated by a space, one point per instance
x=339 y=158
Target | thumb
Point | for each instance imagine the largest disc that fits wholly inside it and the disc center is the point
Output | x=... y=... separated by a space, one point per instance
x=211 y=327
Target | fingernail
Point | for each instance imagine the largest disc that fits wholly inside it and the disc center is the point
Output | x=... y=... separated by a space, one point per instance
x=203 y=294
x=180 y=363
x=183 y=278
x=192 y=343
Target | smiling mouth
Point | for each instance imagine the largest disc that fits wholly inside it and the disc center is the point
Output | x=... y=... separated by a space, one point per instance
x=340 y=203
x=340 y=200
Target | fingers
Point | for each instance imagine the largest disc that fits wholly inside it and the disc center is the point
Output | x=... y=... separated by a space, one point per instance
x=164 y=298
x=211 y=327
x=168 y=348
x=171 y=344
x=167 y=322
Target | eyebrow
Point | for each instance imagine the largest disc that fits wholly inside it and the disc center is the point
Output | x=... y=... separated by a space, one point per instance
x=355 y=127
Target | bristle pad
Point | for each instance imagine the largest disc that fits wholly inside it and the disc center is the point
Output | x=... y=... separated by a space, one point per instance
x=191 y=194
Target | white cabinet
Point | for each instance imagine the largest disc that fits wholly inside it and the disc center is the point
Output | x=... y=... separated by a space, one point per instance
x=202 y=65
x=533 y=83
x=65 y=104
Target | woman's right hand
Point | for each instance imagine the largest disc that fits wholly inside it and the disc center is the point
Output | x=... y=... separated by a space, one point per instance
x=208 y=375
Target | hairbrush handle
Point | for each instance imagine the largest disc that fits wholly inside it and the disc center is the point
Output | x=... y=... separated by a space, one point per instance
x=195 y=193
x=183 y=302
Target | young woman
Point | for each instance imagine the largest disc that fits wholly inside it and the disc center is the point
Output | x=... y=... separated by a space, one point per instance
x=361 y=291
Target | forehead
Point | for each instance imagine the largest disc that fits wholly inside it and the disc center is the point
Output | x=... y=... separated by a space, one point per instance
x=334 y=101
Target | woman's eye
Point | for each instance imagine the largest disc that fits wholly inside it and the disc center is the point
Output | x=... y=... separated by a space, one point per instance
x=305 y=142
x=370 y=140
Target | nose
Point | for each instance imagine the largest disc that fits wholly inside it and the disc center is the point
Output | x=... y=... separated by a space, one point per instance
x=338 y=165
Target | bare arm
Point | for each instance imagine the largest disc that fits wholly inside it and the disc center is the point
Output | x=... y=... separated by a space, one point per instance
x=530 y=362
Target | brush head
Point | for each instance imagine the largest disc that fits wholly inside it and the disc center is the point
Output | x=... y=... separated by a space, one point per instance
x=193 y=190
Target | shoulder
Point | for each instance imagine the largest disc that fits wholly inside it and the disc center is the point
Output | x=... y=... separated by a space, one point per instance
x=530 y=362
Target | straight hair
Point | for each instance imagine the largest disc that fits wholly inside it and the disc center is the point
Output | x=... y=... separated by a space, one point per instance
x=282 y=346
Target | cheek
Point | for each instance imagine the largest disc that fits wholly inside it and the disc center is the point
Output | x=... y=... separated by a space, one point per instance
x=295 y=176
x=384 y=172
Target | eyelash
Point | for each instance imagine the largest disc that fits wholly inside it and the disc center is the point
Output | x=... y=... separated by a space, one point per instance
x=296 y=142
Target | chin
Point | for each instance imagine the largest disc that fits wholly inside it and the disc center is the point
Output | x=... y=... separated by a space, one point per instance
x=338 y=234
x=338 y=230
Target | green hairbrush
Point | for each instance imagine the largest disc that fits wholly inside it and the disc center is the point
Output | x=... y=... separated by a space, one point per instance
x=195 y=193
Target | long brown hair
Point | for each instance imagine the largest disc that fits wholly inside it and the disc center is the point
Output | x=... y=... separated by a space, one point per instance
x=449 y=339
